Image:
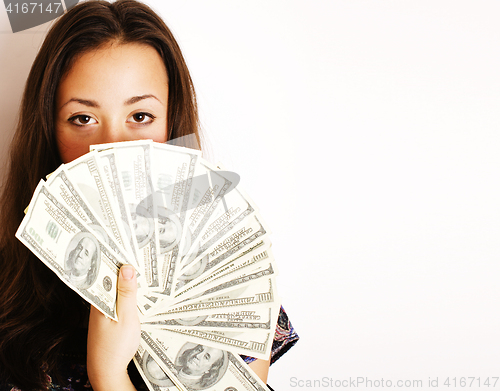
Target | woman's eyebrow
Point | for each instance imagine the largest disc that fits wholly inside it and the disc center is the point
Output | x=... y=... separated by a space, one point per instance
x=136 y=99
x=86 y=102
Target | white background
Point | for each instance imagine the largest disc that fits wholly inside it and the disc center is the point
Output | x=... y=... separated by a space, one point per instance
x=368 y=134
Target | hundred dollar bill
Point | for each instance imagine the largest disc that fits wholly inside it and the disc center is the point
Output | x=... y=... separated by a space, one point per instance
x=208 y=189
x=239 y=238
x=71 y=250
x=153 y=375
x=134 y=161
x=61 y=186
x=202 y=192
x=195 y=366
x=258 y=252
x=241 y=249
x=261 y=317
x=234 y=280
x=261 y=291
x=109 y=169
x=63 y=189
x=233 y=209
x=255 y=343
x=172 y=172
x=86 y=175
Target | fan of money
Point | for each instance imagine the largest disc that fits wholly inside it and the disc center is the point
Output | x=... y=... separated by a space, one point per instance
x=206 y=275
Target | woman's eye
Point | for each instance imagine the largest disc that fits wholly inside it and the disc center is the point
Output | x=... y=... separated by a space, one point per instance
x=142 y=118
x=82 y=120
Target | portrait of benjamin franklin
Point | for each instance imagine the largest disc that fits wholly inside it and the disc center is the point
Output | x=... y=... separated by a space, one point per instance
x=200 y=367
x=82 y=260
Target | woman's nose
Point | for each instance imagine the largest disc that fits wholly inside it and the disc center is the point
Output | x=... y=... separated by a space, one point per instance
x=114 y=132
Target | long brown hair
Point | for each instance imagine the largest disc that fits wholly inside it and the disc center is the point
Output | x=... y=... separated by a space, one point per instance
x=37 y=311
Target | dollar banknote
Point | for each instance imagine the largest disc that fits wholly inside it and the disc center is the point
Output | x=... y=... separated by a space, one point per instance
x=194 y=366
x=256 y=343
x=71 y=250
x=236 y=280
x=172 y=175
x=109 y=168
x=258 y=318
x=86 y=175
x=151 y=372
x=61 y=186
x=260 y=292
x=134 y=162
x=237 y=239
x=208 y=190
x=259 y=251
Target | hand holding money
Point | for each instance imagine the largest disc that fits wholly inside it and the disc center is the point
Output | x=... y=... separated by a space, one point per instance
x=205 y=288
x=111 y=345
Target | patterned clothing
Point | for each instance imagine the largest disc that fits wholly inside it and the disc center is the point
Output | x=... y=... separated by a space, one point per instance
x=284 y=338
x=73 y=366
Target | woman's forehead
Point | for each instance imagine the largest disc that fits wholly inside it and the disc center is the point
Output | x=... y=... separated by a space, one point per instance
x=115 y=71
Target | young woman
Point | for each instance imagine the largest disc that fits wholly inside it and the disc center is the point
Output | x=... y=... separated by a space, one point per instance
x=106 y=72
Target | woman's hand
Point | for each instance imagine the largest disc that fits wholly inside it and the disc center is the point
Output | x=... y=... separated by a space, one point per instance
x=111 y=345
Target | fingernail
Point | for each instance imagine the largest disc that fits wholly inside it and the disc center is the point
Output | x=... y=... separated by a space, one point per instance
x=127 y=272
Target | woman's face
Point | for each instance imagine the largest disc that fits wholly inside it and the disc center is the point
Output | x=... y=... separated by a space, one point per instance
x=115 y=93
